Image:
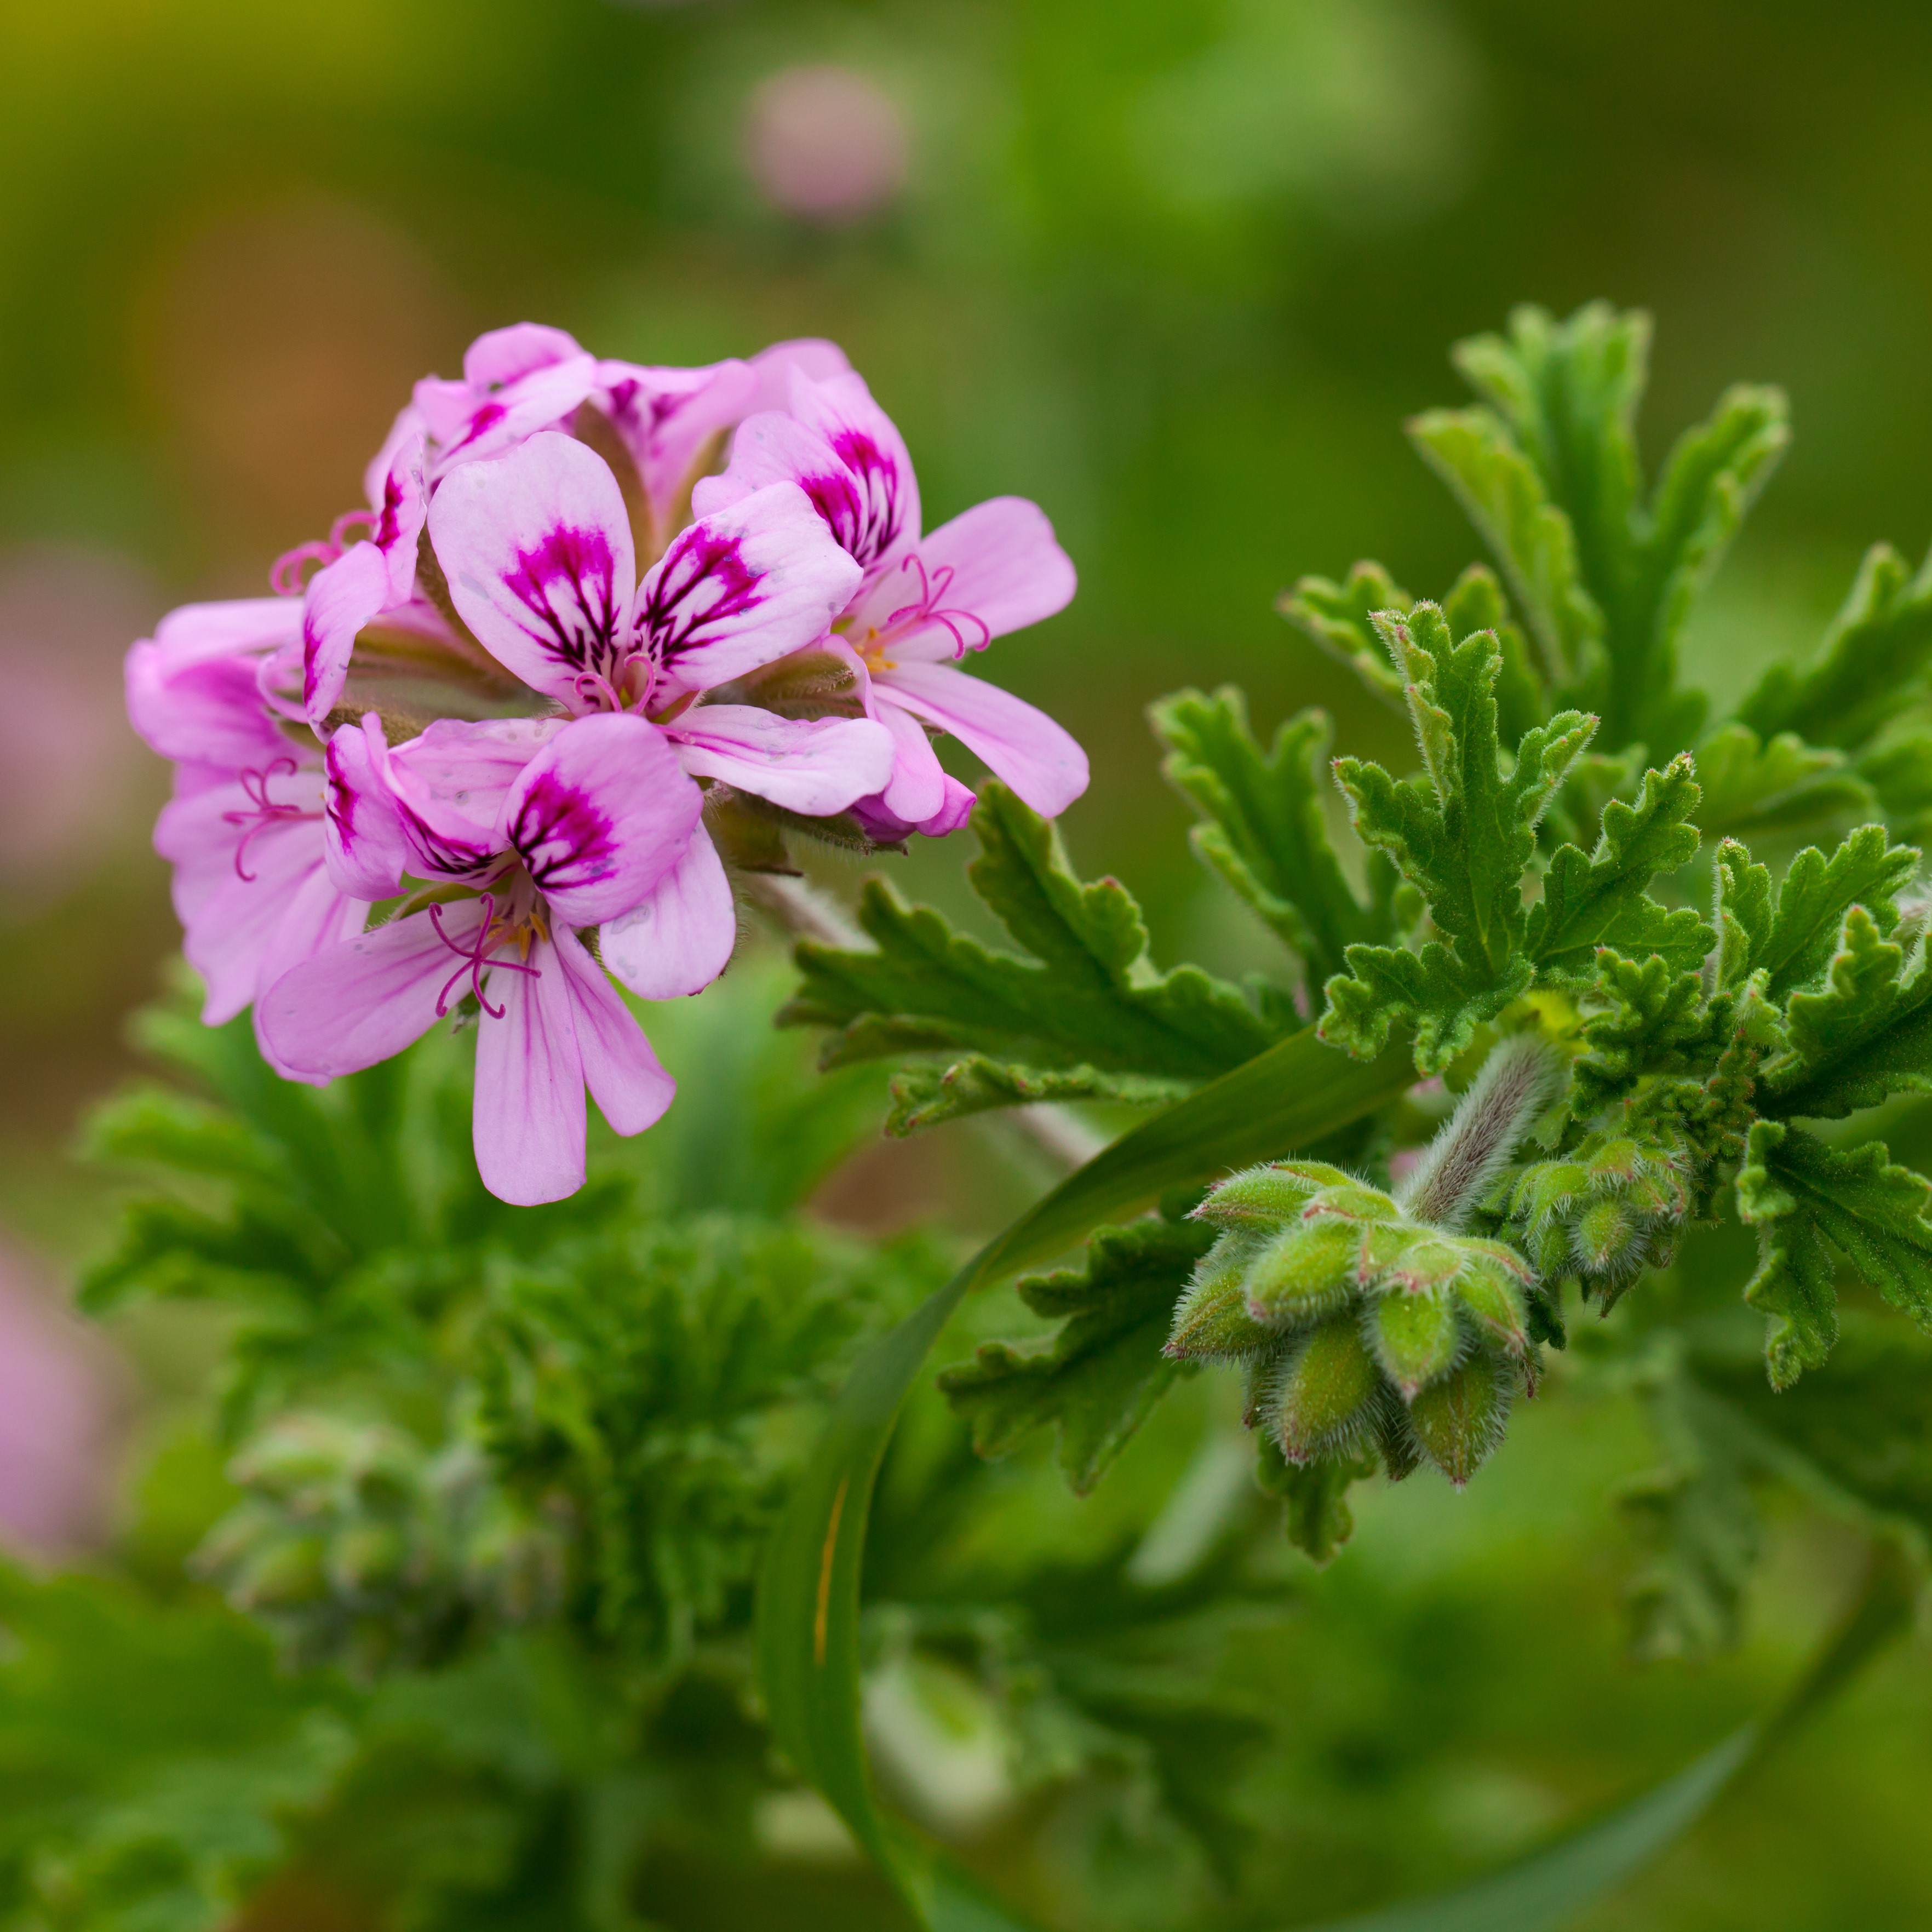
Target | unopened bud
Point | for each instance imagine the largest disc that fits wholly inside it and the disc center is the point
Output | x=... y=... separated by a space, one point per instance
x=1416 y=1338
x=1323 y=1393
x=1460 y=1419
x=1211 y=1322
x=1268 y=1196
x=1303 y=1274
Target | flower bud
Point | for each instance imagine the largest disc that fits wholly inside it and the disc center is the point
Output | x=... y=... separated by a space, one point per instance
x=1304 y=1274
x=1460 y=1419
x=1416 y=1338
x=1267 y=1196
x=1321 y=1395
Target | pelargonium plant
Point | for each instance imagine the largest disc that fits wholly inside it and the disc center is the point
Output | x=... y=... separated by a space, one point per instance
x=1596 y=1063
x=464 y=764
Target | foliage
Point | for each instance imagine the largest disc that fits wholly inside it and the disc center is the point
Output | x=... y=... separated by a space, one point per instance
x=561 y=1552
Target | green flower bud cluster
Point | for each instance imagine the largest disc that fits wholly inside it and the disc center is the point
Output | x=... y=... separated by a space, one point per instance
x=359 y=1546
x=1361 y=1329
x=1600 y=1213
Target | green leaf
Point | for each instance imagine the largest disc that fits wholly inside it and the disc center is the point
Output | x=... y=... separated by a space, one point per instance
x=1866 y=870
x=1753 y=785
x=1337 y=616
x=1794 y=1187
x=1900 y=775
x=1855 y=1440
x=1266 y=834
x=1698 y=1521
x=923 y=1094
x=1875 y=653
x=1645 y=1017
x=1103 y=1371
x=1086 y=998
x=1551 y=1887
x=808 y=1626
x=1602 y=900
x=1315 y=1515
x=1865 y=1035
x=1502 y=495
x=1463 y=833
x=1708 y=485
x=1548 y=471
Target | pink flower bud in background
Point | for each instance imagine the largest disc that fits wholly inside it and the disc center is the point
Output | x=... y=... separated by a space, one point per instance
x=59 y=1419
x=825 y=144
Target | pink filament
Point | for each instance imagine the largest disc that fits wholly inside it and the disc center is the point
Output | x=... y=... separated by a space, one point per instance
x=263 y=811
x=475 y=957
x=930 y=591
x=286 y=578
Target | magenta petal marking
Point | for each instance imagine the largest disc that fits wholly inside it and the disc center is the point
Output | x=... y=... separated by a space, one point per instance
x=567 y=842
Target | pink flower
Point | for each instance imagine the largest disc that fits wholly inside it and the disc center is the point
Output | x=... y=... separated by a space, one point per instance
x=552 y=826
x=244 y=829
x=921 y=599
x=529 y=578
x=539 y=553
x=517 y=383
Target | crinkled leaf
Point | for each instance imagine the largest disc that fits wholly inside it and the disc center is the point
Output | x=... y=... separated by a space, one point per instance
x=1462 y=834
x=1865 y=1034
x=1794 y=1187
x=1337 y=616
x=1103 y=1371
x=1867 y=869
x=1548 y=472
x=924 y=1094
x=1753 y=784
x=1877 y=650
x=1315 y=1515
x=1858 y=1432
x=1087 y=998
x=1698 y=1522
x=1266 y=834
x=1602 y=900
x=1645 y=1017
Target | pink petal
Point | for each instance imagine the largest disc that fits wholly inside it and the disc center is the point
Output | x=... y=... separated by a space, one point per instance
x=1021 y=746
x=917 y=786
x=811 y=356
x=318 y=917
x=817 y=765
x=471 y=421
x=739 y=588
x=366 y=999
x=775 y=447
x=231 y=899
x=457 y=773
x=537 y=548
x=528 y=1121
x=600 y=815
x=400 y=509
x=666 y=416
x=191 y=688
x=864 y=438
x=368 y=852
x=994 y=568
x=631 y=1089
x=505 y=355
x=446 y=788
x=409 y=422
x=341 y=599
x=681 y=937
x=212 y=712
x=886 y=828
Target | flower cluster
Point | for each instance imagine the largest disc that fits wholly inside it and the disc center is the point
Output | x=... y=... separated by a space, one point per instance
x=462 y=760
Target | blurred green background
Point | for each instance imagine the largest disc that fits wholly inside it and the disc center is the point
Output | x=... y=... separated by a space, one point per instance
x=1176 y=269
